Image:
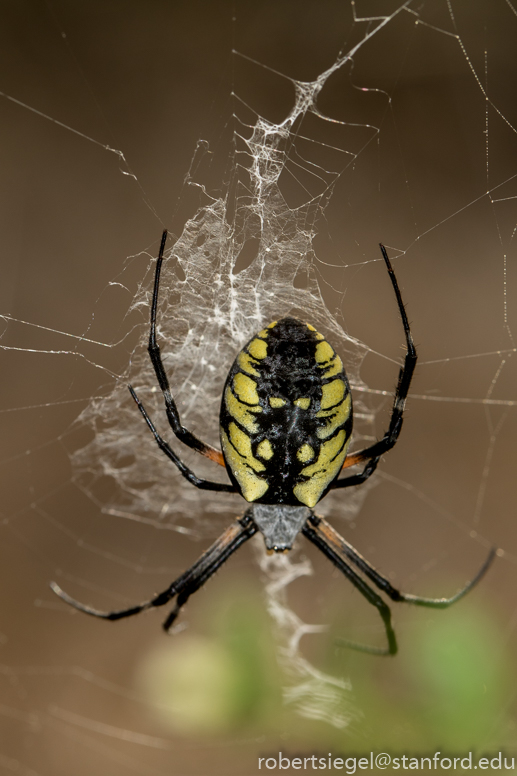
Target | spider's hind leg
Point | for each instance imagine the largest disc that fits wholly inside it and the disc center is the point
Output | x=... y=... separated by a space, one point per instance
x=182 y=433
x=189 y=475
x=375 y=451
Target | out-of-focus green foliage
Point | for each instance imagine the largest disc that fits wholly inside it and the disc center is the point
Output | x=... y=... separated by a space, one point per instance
x=447 y=689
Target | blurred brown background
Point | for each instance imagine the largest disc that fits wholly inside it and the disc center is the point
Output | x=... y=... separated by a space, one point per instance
x=82 y=696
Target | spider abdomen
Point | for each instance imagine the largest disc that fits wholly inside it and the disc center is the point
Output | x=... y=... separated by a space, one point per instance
x=286 y=416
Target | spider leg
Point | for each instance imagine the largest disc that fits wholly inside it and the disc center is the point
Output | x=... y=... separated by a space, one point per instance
x=358 y=479
x=336 y=549
x=316 y=536
x=336 y=541
x=183 y=587
x=183 y=434
x=404 y=381
x=169 y=452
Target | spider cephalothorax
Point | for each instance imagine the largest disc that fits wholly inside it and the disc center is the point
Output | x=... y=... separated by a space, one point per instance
x=285 y=424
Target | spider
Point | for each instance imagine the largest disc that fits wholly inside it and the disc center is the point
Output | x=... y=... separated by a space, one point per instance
x=285 y=426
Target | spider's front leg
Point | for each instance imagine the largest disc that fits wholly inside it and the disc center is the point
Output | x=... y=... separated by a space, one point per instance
x=183 y=587
x=339 y=551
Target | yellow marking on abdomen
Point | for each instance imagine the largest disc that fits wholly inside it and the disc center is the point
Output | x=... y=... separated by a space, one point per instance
x=318 y=335
x=265 y=450
x=305 y=453
x=252 y=486
x=304 y=403
x=332 y=393
x=247 y=363
x=242 y=443
x=324 y=352
x=276 y=401
x=241 y=413
x=328 y=360
x=337 y=416
x=258 y=348
x=323 y=471
x=245 y=388
x=335 y=367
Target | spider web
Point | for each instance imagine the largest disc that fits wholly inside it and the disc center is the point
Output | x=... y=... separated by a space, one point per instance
x=394 y=125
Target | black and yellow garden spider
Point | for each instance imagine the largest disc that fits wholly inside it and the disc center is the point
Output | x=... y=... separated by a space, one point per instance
x=285 y=425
